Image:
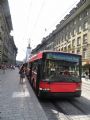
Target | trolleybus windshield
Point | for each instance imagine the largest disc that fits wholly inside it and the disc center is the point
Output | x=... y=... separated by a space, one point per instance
x=61 y=70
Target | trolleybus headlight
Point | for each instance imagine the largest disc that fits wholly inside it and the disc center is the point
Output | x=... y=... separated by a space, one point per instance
x=44 y=89
x=78 y=87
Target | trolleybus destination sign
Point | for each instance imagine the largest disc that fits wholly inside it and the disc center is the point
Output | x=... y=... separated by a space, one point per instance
x=66 y=57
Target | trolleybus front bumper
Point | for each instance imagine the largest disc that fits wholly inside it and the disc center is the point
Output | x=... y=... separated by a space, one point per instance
x=47 y=94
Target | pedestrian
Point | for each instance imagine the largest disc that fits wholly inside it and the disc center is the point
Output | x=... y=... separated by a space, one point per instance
x=66 y=72
x=22 y=74
x=86 y=75
x=3 y=68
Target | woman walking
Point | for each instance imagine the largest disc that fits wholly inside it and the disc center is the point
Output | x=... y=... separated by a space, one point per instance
x=22 y=74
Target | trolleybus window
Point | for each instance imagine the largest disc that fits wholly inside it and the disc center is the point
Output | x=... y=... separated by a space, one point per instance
x=56 y=66
x=61 y=70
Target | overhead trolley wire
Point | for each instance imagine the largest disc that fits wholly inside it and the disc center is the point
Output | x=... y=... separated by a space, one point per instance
x=40 y=11
x=62 y=16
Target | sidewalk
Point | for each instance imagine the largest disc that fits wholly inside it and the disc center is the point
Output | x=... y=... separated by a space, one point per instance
x=18 y=102
x=87 y=81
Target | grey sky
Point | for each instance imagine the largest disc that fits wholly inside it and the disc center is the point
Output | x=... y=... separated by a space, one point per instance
x=35 y=19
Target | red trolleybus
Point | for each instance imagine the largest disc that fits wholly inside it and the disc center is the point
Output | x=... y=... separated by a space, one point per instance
x=56 y=74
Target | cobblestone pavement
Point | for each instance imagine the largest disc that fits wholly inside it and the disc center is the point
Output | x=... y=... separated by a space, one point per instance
x=18 y=101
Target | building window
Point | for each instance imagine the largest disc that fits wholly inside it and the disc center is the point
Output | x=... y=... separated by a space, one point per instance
x=80 y=17
x=85 y=38
x=79 y=29
x=84 y=53
x=85 y=13
x=69 y=35
x=61 y=49
x=2 y=28
x=65 y=49
x=74 y=22
x=73 y=42
x=78 y=51
x=61 y=38
x=85 y=25
x=73 y=51
x=78 y=40
x=56 y=42
x=73 y=32
x=0 y=42
x=66 y=37
x=69 y=48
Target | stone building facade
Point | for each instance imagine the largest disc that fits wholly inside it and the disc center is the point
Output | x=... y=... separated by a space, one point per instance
x=72 y=34
x=8 y=49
